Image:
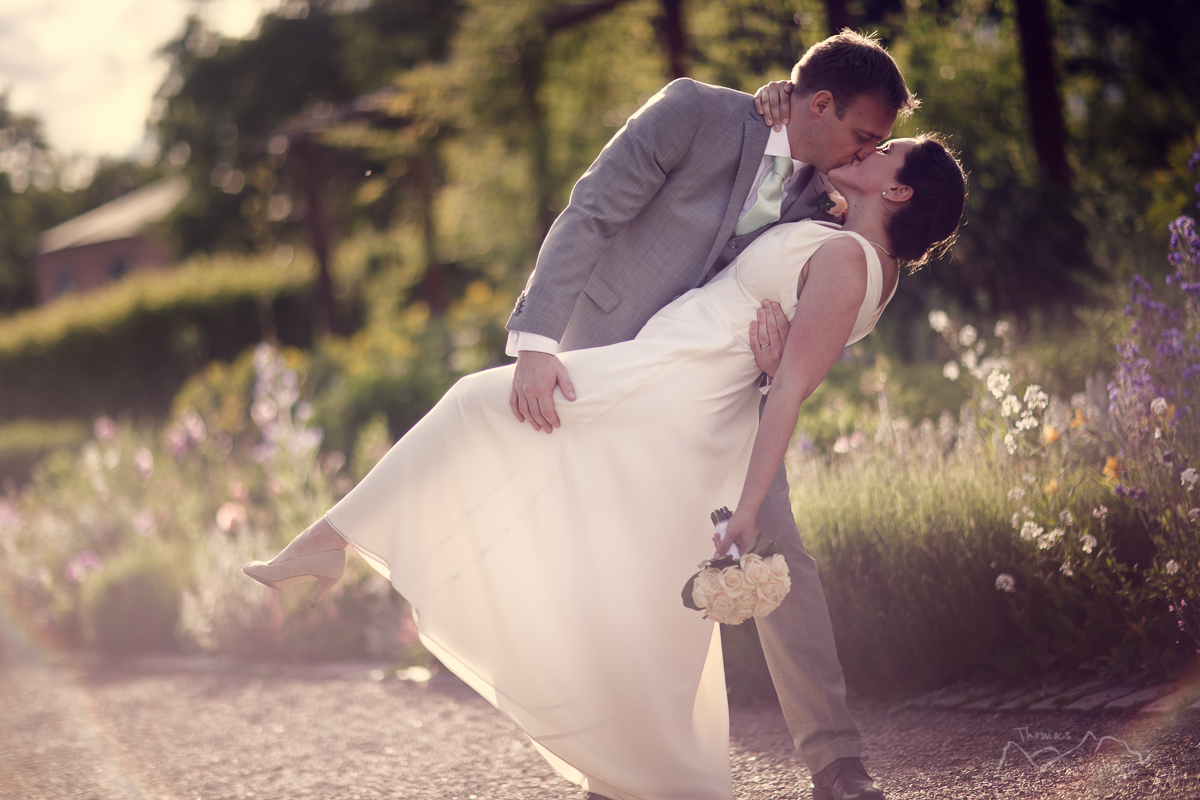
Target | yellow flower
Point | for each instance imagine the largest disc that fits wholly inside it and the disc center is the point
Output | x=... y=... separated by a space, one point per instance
x=1112 y=468
x=1051 y=487
x=1079 y=420
x=1050 y=434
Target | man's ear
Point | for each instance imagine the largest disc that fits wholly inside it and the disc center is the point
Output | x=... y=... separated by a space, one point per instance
x=821 y=103
x=898 y=194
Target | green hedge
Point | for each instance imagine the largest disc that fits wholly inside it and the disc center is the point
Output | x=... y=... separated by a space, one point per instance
x=24 y=442
x=127 y=349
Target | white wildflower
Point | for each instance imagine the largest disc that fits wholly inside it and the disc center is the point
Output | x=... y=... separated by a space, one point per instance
x=1189 y=477
x=951 y=370
x=842 y=445
x=1016 y=493
x=1100 y=512
x=939 y=321
x=1089 y=542
x=1159 y=405
x=1046 y=540
x=1067 y=517
x=1002 y=328
x=1027 y=511
x=1016 y=521
x=1010 y=442
x=1194 y=515
x=997 y=384
x=1035 y=398
x=1010 y=406
x=1066 y=570
x=1031 y=530
x=1027 y=422
x=1005 y=583
x=967 y=336
x=970 y=360
x=1171 y=567
x=1029 y=478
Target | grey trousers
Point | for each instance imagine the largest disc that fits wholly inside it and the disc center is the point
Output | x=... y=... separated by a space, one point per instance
x=797 y=639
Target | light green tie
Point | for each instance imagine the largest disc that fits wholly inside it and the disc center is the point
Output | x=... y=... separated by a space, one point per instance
x=767 y=207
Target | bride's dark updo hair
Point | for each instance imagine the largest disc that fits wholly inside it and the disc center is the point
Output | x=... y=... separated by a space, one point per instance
x=925 y=227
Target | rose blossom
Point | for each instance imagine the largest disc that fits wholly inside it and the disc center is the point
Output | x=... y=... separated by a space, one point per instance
x=770 y=595
x=779 y=567
x=754 y=569
x=733 y=583
x=721 y=609
x=707 y=585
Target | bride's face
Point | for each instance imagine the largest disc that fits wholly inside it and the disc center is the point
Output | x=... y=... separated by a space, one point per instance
x=876 y=172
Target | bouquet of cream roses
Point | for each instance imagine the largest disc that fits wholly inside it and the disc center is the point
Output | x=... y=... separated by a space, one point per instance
x=732 y=589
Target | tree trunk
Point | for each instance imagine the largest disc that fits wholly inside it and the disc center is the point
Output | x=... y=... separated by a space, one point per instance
x=838 y=15
x=312 y=178
x=674 y=38
x=1041 y=92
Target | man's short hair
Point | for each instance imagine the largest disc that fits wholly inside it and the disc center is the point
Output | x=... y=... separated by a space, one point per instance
x=849 y=65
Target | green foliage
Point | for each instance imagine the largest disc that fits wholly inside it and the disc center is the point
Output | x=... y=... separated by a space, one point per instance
x=224 y=100
x=129 y=347
x=24 y=442
x=132 y=604
x=1010 y=540
x=164 y=519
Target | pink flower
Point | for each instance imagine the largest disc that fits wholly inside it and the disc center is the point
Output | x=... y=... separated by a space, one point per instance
x=106 y=430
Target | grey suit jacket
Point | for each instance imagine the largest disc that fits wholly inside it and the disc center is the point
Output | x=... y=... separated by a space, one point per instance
x=653 y=217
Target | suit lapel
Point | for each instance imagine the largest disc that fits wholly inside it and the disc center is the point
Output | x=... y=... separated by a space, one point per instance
x=754 y=144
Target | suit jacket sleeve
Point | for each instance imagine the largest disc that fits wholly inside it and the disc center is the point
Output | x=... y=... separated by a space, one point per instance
x=629 y=171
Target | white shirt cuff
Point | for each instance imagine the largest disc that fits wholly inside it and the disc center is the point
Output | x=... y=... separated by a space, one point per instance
x=764 y=384
x=524 y=340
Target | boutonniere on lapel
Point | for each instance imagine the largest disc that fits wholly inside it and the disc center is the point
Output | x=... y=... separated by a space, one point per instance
x=832 y=203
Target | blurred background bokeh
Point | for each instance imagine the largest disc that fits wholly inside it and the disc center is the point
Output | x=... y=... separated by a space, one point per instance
x=204 y=343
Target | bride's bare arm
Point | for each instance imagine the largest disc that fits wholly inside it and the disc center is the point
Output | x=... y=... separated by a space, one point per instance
x=825 y=317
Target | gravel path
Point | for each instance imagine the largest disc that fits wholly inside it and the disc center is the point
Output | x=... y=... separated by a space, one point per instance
x=194 y=730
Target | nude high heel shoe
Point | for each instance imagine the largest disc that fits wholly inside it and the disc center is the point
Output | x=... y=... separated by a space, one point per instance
x=326 y=568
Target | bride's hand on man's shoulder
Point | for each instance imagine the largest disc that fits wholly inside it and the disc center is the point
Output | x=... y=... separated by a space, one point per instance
x=773 y=103
x=768 y=334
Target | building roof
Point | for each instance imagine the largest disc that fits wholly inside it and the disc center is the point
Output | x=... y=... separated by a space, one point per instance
x=124 y=217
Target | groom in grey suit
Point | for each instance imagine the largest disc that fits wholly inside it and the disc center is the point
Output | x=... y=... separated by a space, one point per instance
x=656 y=215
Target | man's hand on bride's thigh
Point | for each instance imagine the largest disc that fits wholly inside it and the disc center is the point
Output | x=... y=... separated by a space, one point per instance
x=532 y=397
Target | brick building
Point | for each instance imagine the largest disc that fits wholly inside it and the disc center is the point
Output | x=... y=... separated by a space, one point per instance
x=106 y=243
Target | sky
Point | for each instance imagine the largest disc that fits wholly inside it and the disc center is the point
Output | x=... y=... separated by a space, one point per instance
x=88 y=69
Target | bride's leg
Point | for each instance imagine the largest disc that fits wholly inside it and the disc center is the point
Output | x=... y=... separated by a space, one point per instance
x=316 y=538
x=317 y=553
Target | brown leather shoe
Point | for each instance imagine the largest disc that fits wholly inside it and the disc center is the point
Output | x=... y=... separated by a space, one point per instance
x=844 y=779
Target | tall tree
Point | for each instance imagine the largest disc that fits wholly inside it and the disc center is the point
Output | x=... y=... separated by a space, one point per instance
x=1042 y=92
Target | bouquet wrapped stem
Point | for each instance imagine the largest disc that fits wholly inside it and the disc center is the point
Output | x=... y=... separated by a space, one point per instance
x=732 y=588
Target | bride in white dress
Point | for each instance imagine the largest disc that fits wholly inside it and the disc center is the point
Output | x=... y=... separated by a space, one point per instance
x=546 y=570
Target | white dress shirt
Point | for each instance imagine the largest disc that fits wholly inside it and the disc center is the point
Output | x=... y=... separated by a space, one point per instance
x=777 y=145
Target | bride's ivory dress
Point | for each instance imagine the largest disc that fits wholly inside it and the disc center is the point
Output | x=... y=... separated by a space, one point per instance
x=547 y=569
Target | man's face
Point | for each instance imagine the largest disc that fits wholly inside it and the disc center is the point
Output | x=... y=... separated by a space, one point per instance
x=833 y=142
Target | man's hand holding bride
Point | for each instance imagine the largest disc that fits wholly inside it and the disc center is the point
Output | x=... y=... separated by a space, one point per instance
x=536 y=375
x=767 y=336
x=532 y=397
